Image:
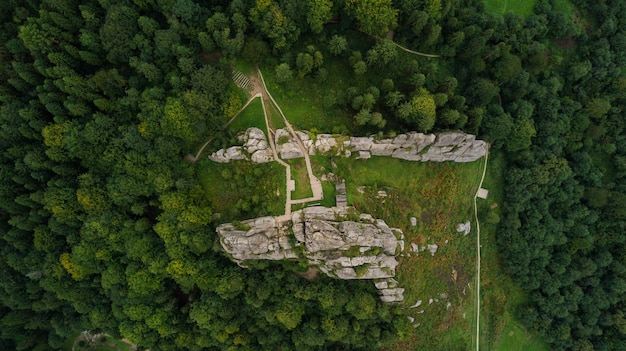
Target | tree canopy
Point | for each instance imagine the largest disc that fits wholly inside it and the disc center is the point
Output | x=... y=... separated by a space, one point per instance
x=105 y=226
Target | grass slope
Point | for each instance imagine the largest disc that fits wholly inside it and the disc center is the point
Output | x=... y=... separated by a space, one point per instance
x=311 y=103
x=299 y=174
x=440 y=196
x=252 y=116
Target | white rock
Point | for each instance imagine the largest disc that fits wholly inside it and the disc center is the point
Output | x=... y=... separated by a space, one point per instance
x=364 y=155
x=464 y=228
x=433 y=248
x=417 y=304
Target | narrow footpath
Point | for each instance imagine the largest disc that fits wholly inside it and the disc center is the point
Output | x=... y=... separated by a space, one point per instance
x=478 y=254
x=316 y=184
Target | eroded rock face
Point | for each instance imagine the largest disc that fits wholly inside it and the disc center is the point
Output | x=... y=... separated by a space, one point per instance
x=412 y=146
x=255 y=148
x=363 y=248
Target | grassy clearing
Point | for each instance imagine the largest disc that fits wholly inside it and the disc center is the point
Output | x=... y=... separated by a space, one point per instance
x=275 y=120
x=564 y=6
x=243 y=66
x=243 y=189
x=301 y=177
x=310 y=103
x=252 y=116
x=439 y=195
x=501 y=299
x=523 y=8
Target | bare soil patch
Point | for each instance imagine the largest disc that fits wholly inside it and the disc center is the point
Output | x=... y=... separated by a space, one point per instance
x=310 y=274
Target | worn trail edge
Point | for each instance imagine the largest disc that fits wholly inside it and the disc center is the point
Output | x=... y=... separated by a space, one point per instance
x=478 y=254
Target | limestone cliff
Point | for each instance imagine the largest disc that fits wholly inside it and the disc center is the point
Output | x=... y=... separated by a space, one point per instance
x=338 y=242
x=412 y=146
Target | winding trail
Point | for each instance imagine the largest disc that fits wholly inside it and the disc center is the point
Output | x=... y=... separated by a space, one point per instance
x=316 y=184
x=478 y=253
x=193 y=159
x=415 y=52
x=401 y=47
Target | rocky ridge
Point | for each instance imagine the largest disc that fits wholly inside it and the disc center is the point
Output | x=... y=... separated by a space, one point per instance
x=338 y=241
x=412 y=146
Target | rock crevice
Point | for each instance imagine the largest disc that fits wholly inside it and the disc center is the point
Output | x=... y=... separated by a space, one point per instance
x=339 y=242
x=412 y=146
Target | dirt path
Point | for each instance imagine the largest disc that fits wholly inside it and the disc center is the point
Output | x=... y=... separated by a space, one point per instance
x=316 y=184
x=478 y=254
x=400 y=46
x=259 y=89
x=415 y=52
x=192 y=158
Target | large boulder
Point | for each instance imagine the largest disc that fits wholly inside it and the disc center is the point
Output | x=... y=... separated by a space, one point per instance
x=287 y=146
x=361 y=143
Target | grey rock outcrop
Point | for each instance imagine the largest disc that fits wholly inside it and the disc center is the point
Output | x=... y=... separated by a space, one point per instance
x=464 y=228
x=287 y=146
x=338 y=247
x=255 y=148
x=412 y=146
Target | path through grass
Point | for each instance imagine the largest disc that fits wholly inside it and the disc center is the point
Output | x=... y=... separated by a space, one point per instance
x=309 y=103
x=501 y=299
x=252 y=116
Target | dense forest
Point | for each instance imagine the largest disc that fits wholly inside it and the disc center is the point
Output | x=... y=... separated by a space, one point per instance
x=105 y=227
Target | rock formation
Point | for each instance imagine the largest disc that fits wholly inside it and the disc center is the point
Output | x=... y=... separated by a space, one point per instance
x=464 y=228
x=337 y=241
x=255 y=148
x=412 y=146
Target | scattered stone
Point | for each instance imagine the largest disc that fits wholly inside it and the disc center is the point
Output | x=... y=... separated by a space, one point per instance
x=411 y=319
x=433 y=248
x=381 y=193
x=413 y=221
x=430 y=301
x=417 y=304
x=347 y=154
x=420 y=312
x=464 y=228
x=448 y=305
x=360 y=189
x=416 y=325
x=414 y=247
x=381 y=284
x=443 y=296
x=446 y=241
